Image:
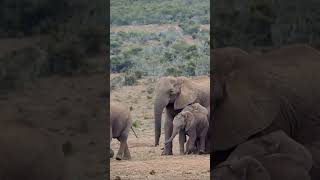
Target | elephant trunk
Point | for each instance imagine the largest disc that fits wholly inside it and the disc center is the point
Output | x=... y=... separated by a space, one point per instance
x=174 y=133
x=159 y=105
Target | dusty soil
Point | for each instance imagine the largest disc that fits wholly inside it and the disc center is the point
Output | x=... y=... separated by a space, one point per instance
x=146 y=162
x=72 y=109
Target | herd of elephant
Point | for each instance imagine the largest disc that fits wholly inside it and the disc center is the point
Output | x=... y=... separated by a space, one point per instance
x=265 y=121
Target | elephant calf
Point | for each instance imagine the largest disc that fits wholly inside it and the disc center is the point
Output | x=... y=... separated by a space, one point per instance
x=268 y=167
x=276 y=142
x=120 y=124
x=193 y=121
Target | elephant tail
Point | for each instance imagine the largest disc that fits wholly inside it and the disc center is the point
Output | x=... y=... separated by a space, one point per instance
x=134 y=132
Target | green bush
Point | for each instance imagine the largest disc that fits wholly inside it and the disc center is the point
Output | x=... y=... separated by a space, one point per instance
x=68 y=149
x=65 y=57
x=173 y=72
x=22 y=66
x=130 y=79
x=92 y=37
x=138 y=74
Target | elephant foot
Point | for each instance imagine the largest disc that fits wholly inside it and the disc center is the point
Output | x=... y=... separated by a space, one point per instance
x=166 y=152
x=202 y=152
x=118 y=158
x=126 y=158
x=188 y=152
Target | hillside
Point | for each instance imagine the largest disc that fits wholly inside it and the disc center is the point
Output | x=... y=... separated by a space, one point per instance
x=160 y=38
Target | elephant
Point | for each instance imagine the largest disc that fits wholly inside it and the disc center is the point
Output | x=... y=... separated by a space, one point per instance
x=275 y=142
x=254 y=95
x=30 y=153
x=193 y=121
x=173 y=94
x=120 y=124
x=269 y=167
x=245 y=168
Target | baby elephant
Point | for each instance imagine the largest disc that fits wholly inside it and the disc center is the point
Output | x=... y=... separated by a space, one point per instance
x=275 y=142
x=280 y=155
x=120 y=124
x=246 y=168
x=193 y=121
x=268 y=167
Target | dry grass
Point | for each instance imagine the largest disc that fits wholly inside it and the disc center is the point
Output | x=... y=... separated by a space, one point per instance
x=150 y=28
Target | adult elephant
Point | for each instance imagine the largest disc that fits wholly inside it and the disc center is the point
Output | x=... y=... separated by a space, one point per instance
x=257 y=94
x=173 y=94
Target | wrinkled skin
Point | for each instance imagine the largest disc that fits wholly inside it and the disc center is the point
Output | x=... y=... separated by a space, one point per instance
x=276 y=142
x=193 y=121
x=257 y=94
x=120 y=123
x=30 y=154
x=173 y=94
x=269 y=167
x=246 y=168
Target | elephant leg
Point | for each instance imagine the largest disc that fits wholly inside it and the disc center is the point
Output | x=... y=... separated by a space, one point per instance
x=168 y=127
x=182 y=140
x=197 y=147
x=203 y=136
x=110 y=138
x=127 y=155
x=190 y=143
x=123 y=144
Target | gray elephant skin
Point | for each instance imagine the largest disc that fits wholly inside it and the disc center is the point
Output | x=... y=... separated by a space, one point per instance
x=30 y=154
x=173 y=94
x=193 y=121
x=268 y=167
x=281 y=156
x=257 y=94
x=120 y=124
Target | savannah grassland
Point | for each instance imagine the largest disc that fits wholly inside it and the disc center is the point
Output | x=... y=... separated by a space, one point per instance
x=150 y=39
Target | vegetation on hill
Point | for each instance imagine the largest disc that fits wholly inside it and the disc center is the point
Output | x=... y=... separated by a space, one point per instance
x=70 y=32
x=253 y=24
x=179 y=49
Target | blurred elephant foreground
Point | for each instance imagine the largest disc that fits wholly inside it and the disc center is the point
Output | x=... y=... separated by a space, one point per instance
x=29 y=154
x=274 y=156
x=173 y=94
x=254 y=95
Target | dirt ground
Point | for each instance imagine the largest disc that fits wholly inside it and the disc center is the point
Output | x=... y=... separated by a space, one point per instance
x=146 y=162
x=72 y=109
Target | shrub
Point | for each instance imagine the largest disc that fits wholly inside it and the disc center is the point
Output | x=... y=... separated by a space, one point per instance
x=92 y=37
x=173 y=72
x=65 y=57
x=130 y=79
x=68 y=148
x=22 y=66
x=138 y=74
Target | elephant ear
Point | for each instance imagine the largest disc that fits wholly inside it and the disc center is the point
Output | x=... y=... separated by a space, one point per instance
x=247 y=109
x=188 y=94
x=227 y=61
x=189 y=120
